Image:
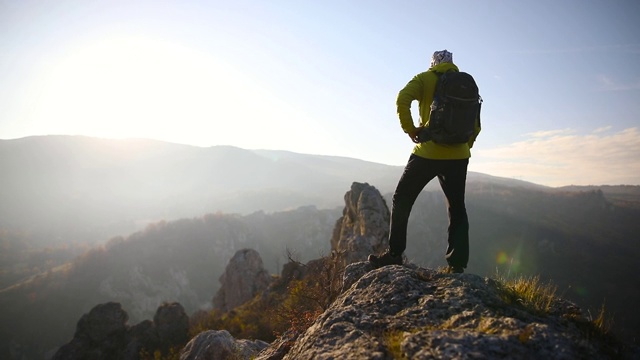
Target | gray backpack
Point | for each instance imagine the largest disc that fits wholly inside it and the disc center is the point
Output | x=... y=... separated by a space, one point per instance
x=454 y=111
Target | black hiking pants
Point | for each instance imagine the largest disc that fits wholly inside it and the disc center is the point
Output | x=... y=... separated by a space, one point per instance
x=452 y=175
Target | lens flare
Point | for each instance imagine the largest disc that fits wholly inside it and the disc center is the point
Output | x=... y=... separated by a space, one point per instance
x=502 y=258
x=581 y=290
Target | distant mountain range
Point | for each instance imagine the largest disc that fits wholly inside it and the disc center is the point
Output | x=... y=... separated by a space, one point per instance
x=60 y=190
x=81 y=189
x=67 y=188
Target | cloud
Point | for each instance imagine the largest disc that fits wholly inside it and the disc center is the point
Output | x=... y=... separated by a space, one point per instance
x=602 y=129
x=564 y=157
x=548 y=133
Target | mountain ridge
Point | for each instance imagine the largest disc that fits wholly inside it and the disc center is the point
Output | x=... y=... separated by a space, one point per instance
x=117 y=186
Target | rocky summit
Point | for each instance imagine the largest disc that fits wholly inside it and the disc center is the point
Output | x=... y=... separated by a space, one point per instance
x=406 y=312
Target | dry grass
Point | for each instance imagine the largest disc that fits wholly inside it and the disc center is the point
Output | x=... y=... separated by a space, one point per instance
x=602 y=323
x=537 y=297
x=393 y=341
x=528 y=291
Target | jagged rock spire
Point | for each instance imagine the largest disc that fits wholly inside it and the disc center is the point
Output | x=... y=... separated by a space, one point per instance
x=364 y=226
x=244 y=277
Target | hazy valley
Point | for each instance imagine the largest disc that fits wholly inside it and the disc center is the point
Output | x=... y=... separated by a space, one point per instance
x=84 y=221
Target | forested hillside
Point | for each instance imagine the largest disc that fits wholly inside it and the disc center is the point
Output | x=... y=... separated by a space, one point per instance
x=75 y=189
x=85 y=221
x=579 y=241
x=168 y=261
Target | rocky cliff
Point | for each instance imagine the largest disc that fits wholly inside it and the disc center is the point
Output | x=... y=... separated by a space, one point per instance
x=395 y=312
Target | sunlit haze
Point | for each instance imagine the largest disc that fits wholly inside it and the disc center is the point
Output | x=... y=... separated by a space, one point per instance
x=560 y=80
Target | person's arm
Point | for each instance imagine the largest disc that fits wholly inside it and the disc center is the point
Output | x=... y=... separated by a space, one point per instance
x=412 y=91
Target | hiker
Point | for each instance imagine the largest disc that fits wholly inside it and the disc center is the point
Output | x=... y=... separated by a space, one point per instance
x=430 y=159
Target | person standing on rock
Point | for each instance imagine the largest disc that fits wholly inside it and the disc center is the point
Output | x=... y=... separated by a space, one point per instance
x=431 y=158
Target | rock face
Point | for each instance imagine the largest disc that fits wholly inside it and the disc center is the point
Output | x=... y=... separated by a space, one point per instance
x=415 y=313
x=364 y=226
x=103 y=333
x=243 y=278
x=220 y=345
x=143 y=293
x=100 y=334
x=103 y=321
x=171 y=324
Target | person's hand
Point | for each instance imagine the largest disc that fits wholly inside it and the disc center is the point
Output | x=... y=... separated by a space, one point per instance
x=414 y=135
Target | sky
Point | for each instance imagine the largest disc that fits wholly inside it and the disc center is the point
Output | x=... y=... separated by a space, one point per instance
x=560 y=79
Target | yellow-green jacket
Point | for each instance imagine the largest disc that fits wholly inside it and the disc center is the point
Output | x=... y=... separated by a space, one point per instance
x=421 y=88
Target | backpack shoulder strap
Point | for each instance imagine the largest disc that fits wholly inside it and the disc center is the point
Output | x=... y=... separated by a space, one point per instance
x=440 y=73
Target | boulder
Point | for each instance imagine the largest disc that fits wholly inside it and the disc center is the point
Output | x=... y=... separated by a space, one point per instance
x=103 y=333
x=101 y=322
x=171 y=324
x=220 y=345
x=243 y=278
x=100 y=334
x=141 y=336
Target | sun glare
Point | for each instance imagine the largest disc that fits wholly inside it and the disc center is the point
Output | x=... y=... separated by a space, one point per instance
x=136 y=87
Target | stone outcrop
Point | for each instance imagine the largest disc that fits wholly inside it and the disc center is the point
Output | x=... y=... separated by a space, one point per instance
x=363 y=228
x=100 y=334
x=141 y=336
x=103 y=333
x=415 y=313
x=243 y=278
x=220 y=345
x=103 y=321
x=171 y=324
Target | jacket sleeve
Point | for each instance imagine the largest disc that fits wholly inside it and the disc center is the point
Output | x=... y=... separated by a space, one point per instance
x=412 y=91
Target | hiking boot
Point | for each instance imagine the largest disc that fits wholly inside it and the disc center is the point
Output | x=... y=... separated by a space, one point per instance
x=454 y=270
x=385 y=259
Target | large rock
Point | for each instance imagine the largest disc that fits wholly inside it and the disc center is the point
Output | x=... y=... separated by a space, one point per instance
x=415 y=313
x=172 y=324
x=100 y=334
x=103 y=321
x=141 y=336
x=220 y=345
x=363 y=228
x=243 y=278
x=103 y=333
